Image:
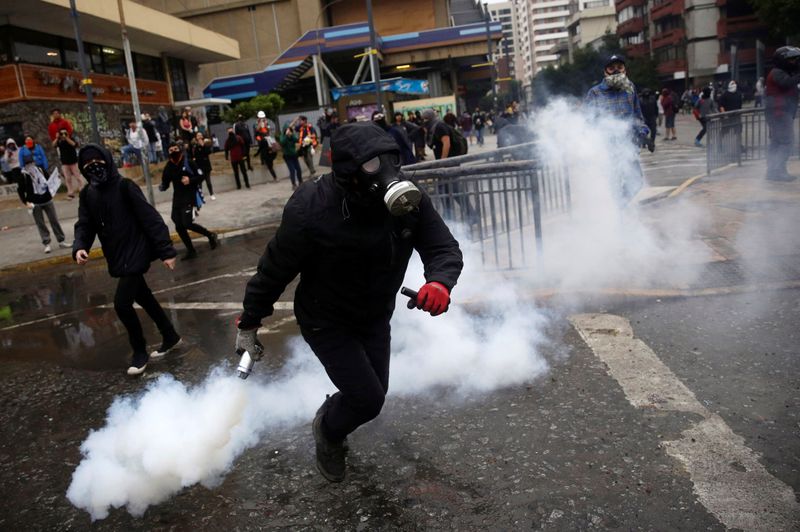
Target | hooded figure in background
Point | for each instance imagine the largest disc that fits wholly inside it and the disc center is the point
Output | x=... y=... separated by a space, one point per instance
x=349 y=235
x=780 y=108
x=132 y=234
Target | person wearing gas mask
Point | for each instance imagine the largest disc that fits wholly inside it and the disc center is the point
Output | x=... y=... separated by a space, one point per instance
x=780 y=108
x=132 y=234
x=185 y=178
x=616 y=96
x=350 y=235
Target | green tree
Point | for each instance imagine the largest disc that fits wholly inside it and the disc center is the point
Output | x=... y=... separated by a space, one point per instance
x=271 y=104
x=780 y=16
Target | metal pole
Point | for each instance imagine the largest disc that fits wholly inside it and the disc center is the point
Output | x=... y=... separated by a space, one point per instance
x=487 y=17
x=86 y=82
x=373 y=59
x=135 y=101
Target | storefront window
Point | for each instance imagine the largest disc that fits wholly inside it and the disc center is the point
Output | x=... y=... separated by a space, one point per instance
x=113 y=61
x=177 y=74
x=37 y=48
x=148 y=67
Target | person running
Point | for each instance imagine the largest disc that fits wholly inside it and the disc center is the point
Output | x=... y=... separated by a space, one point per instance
x=780 y=109
x=132 y=235
x=704 y=107
x=234 y=149
x=185 y=178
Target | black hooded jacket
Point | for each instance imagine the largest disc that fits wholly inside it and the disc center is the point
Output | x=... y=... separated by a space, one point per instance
x=351 y=257
x=131 y=231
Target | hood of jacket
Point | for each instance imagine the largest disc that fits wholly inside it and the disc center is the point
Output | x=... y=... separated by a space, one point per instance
x=90 y=151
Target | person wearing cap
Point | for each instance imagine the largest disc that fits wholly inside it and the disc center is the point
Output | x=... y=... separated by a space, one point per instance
x=616 y=96
x=780 y=108
x=349 y=235
x=307 y=136
x=132 y=235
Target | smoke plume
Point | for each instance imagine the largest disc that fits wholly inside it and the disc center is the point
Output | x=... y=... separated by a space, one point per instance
x=173 y=436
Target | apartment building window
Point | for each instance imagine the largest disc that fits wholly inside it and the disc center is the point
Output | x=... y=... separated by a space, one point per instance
x=629 y=13
x=669 y=23
x=670 y=53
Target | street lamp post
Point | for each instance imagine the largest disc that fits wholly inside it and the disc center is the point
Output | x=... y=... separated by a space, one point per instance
x=135 y=101
x=373 y=59
x=487 y=19
x=86 y=82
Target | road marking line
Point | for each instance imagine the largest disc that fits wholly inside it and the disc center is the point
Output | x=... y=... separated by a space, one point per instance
x=683 y=186
x=727 y=476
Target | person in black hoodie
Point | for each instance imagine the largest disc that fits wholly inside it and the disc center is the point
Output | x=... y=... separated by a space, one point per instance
x=132 y=235
x=341 y=234
x=185 y=177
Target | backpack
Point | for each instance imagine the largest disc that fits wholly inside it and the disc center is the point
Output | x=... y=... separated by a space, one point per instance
x=458 y=144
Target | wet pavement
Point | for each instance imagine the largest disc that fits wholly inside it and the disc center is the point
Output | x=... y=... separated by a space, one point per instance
x=565 y=451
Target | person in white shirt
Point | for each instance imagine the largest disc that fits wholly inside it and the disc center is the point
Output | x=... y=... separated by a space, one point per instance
x=137 y=140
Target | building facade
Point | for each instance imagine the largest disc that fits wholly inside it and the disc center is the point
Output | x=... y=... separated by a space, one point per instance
x=589 y=21
x=39 y=65
x=503 y=12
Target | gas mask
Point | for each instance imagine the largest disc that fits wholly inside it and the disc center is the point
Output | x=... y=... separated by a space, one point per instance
x=381 y=176
x=96 y=172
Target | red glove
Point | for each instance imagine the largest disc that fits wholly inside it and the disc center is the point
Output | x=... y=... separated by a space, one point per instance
x=434 y=298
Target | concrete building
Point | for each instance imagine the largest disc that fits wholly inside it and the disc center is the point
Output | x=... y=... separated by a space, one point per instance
x=589 y=21
x=324 y=49
x=696 y=41
x=523 y=60
x=548 y=19
x=503 y=12
x=39 y=64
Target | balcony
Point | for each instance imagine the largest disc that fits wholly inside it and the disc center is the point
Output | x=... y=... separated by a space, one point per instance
x=632 y=26
x=666 y=9
x=733 y=26
x=622 y=4
x=668 y=38
x=746 y=56
x=637 y=50
x=668 y=68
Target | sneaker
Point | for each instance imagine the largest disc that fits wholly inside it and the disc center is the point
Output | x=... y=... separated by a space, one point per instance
x=190 y=255
x=213 y=241
x=47 y=248
x=213 y=197
x=698 y=143
x=138 y=363
x=167 y=345
x=64 y=244
x=330 y=455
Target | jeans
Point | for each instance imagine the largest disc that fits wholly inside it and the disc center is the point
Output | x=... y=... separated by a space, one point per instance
x=128 y=149
x=38 y=216
x=479 y=135
x=133 y=288
x=152 y=152
x=239 y=165
x=703 y=122
x=295 y=174
x=357 y=362
x=309 y=160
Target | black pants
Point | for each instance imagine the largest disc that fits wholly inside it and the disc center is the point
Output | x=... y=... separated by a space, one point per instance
x=133 y=288
x=357 y=362
x=236 y=166
x=703 y=122
x=182 y=217
x=267 y=159
x=207 y=179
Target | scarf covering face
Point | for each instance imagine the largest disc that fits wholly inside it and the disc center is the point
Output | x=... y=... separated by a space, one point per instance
x=619 y=81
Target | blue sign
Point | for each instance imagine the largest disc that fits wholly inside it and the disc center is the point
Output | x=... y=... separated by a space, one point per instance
x=398 y=85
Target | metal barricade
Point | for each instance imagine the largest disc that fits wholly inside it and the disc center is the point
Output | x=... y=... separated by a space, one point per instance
x=500 y=204
x=737 y=136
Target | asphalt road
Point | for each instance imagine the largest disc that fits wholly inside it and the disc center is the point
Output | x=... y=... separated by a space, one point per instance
x=569 y=449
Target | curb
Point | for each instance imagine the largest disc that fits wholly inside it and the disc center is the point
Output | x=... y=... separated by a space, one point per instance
x=96 y=253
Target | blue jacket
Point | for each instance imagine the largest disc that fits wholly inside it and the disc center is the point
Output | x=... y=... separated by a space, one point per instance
x=38 y=156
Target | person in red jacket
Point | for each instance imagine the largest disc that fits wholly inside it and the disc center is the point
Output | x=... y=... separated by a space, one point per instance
x=780 y=108
x=57 y=123
x=235 y=147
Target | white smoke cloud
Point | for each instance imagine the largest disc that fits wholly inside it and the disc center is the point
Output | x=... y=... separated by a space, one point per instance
x=173 y=436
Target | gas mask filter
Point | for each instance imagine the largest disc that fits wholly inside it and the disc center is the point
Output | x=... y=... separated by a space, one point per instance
x=381 y=176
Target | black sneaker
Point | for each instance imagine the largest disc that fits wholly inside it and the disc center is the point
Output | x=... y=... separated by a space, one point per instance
x=190 y=255
x=167 y=345
x=330 y=455
x=138 y=363
x=213 y=241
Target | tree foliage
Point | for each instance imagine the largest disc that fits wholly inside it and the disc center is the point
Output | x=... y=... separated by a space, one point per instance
x=271 y=104
x=586 y=70
x=780 y=16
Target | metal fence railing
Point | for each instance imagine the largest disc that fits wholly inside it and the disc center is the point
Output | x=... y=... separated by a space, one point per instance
x=737 y=136
x=500 y=198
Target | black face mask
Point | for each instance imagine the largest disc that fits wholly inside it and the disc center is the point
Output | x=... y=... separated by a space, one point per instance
x=175 y=157
x=96 y=173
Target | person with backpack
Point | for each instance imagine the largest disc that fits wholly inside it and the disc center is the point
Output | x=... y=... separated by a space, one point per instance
x=132 y=235
x=780 y=109
x=704 y=107
x=185 y=178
